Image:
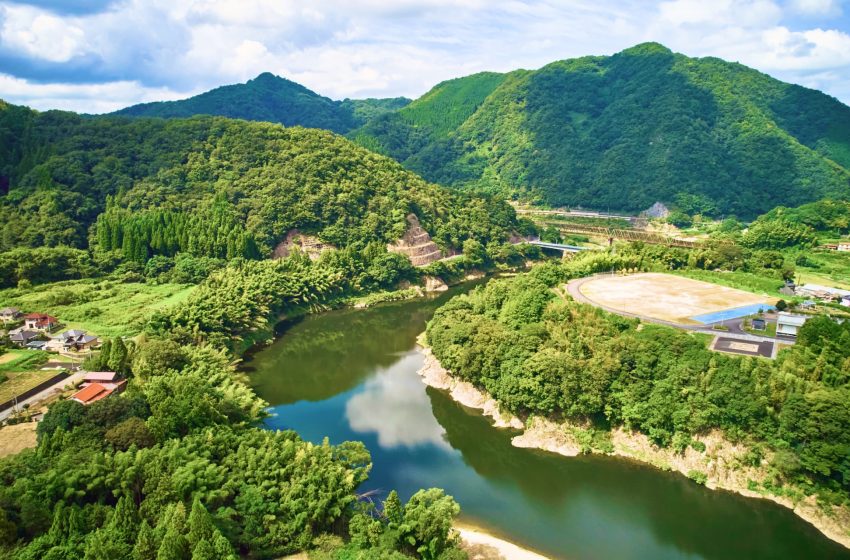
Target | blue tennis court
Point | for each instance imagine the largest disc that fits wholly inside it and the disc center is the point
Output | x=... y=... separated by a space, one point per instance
x=734 y=313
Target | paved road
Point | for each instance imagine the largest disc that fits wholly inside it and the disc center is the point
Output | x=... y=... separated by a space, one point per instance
x=56 y=388
x=573 y=288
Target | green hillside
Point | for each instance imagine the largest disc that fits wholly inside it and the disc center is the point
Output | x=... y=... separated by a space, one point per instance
x=212 y=187
x=272 y=99
x=624 y=131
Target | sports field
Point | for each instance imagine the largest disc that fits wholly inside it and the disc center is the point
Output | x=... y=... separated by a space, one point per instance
x=672 y=298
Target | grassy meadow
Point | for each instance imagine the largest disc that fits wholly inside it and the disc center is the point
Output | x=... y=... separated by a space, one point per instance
x=101 y=307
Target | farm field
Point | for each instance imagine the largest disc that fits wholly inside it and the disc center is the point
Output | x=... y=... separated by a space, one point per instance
x=667 y=297
x=102 y=307
x=20 y=382
x=16 y=438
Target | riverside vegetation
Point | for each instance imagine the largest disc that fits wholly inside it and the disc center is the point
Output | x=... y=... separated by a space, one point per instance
x=541 y=354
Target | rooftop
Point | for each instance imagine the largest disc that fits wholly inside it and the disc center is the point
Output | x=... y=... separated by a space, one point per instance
x=825 y=289
x=100 y=376
x=791 y=319
x=91 y=393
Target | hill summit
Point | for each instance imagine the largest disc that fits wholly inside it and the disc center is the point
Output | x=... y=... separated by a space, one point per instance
x=625 y=131
x=273 y=99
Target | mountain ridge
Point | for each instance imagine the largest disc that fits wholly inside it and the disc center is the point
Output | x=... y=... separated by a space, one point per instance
x=613 y=132
x=270 y=98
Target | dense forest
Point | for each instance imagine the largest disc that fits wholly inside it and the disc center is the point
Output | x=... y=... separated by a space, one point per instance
x=273 y=99
x=213 y=187
x=538 y=352
x=624 y=131
x=176 y=468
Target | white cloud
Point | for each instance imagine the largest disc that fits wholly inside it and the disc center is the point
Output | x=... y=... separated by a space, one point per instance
x=820 y=8
x=378 y=48
x=40 y=34
x=82 y=98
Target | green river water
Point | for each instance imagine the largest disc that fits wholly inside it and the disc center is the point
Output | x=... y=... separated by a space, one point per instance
x=351 y=375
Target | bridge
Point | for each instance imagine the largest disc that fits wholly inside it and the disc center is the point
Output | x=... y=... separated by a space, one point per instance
x=558 y=247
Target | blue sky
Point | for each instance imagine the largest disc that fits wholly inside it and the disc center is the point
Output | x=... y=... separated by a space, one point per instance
x=100 y=55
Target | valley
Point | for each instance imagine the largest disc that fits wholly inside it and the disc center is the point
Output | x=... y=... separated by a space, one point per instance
x=595 y=309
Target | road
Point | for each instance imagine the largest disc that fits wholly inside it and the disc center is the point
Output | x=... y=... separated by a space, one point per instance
x=74 y=378
x=574 y=289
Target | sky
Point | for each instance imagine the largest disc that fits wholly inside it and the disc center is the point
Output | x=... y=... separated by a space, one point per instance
x=96 y=56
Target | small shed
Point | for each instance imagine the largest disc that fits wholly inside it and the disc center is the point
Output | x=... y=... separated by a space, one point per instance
x=758 y=324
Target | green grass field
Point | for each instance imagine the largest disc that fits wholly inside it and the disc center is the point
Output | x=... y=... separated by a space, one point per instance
x=17 y=361
x=102 y=307
x=20 y=370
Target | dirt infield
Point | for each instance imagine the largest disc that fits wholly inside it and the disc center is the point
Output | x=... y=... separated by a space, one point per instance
x=665 y=297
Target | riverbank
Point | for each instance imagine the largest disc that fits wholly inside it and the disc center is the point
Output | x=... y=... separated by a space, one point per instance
x=481 y=545
x=710 y=459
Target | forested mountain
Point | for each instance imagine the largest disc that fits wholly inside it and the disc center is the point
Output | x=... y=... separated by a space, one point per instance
x=214 y=187
x=273 y=99
x=624 y=131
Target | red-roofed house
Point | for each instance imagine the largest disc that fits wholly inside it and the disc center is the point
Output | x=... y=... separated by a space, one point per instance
x=96 y=391
x=40 y=322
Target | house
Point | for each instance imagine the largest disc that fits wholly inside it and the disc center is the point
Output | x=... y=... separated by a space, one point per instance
x=844 y=246
x=821 y=292
x=105 y=378
x=788 y=324
x=22 y=337
x=96 y=391
x=40 y=322
x=808 y=304
x=9 y=314
x=36 y=344
x=71 y=340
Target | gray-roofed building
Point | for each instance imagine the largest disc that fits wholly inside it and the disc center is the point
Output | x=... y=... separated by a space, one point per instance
x=9 y=314
x=22 y=337
x=788 y=324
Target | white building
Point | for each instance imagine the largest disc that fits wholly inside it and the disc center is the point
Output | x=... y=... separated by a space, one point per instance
x=788 y=324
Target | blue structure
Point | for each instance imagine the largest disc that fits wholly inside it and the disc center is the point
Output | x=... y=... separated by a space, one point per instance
x=734 y=313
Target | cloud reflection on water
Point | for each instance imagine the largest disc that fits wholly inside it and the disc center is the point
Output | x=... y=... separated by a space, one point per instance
x=395 y=406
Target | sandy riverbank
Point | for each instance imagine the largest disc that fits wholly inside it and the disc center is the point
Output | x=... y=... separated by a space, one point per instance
x=719 y=463
x=480 y=545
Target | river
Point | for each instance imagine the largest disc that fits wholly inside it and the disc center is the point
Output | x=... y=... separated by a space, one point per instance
x=351 y=375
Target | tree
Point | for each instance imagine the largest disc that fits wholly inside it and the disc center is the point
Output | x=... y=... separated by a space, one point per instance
x=201 y=527
x=146 y=546
x=118 y=356
x=428 y=519
x=156 y=357
x=174 y=545
x=62 y=415
x=132 y=431
x=474 y=252
x=393 y=509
